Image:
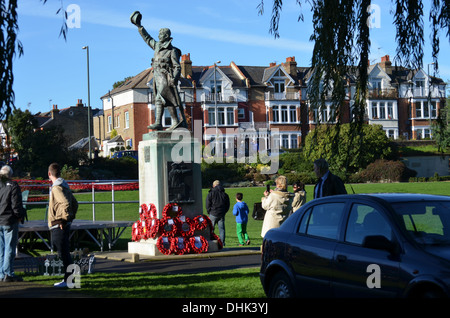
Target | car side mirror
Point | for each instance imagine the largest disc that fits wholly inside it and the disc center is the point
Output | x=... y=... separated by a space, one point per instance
x=380 y=242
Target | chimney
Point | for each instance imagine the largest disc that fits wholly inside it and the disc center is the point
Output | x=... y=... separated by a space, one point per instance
x=186 y=66
x=291 y=66
x=386 y=64
x=54 y=111
x=79 y=103
x=272 y=64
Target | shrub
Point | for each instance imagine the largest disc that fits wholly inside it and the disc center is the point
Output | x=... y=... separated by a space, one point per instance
x=304 y=177
x=384 y=171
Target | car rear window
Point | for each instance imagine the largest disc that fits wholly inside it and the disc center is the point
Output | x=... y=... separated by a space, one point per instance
x=322 y=220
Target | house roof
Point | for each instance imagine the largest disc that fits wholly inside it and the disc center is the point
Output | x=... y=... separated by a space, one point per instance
x=83 y=142
x=138 y=81
x=257 y=76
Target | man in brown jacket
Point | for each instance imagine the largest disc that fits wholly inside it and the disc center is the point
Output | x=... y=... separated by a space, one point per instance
x=62 y=207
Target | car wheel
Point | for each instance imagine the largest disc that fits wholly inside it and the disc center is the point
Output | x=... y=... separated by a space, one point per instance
x=280 y=286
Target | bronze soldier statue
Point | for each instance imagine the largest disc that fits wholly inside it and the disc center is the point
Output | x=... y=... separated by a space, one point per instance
x=166 y=74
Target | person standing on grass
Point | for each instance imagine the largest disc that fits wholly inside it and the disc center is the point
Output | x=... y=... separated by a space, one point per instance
x=240 y=210
x=328 y=184
x=299 y=196
x=11 y=213
x=62 y=207
x=277 y=204
x=217 y=205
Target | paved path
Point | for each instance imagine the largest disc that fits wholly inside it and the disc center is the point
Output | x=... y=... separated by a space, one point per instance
x=121 y=262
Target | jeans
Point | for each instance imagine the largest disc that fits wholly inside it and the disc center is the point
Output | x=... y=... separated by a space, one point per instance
x=9 y=235
x=60 y=239
x=220 y=221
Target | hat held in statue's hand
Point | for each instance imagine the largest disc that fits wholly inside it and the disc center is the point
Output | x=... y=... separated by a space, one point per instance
x=136 y=17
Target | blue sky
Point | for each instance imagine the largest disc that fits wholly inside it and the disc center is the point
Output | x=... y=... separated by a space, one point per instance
x=54 y=71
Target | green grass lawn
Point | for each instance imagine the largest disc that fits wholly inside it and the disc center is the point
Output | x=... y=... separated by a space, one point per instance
x=238 y=283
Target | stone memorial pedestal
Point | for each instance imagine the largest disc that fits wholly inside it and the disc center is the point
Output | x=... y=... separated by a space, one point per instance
x=170 y=172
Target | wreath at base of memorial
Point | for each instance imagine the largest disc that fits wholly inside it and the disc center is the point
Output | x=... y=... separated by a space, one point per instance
x=186 y=226
x=180 y=245
x=136 y=231
x=172 y=210
x=169 y=226
x=199 y=244
x=174 y=232
x=164 y=245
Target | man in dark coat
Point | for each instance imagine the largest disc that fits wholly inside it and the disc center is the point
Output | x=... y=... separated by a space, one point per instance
x=328 y=183
x=11 y=213
x=217 y=205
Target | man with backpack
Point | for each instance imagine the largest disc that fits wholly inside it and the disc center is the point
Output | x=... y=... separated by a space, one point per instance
x=62 y=208
x=217 y=205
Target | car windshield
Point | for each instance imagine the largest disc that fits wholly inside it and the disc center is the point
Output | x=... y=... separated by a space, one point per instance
x=428 y=223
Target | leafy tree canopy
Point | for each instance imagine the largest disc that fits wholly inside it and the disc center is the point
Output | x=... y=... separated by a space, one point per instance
x=373 y=142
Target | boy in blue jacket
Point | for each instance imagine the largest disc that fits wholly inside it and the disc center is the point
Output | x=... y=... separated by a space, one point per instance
x=240 y=210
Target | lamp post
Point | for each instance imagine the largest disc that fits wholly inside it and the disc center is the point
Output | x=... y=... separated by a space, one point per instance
x=89 y=100
x=429 y=95
x=215 y=101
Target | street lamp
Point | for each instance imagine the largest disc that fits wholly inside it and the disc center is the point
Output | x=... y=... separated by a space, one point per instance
x=429 y=95
x=215 y=101
x=89 y=101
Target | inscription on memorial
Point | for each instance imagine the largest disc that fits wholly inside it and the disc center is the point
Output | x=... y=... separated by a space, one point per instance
x=147 y=154
x=180 y=182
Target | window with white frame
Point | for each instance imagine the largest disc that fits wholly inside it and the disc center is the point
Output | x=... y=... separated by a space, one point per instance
x=374 y=110
x=221 y=116
x=376 y=84
x=382 y=110
x=390 y=110
x=423 y=133
x=287 y=140
x=117 y=121
x=275 y=114
x=326 y=115
x=423 y=111
x=127 y=119
x=294 y=143
x=230 y=116
x=211 y=116
x=110 y=123
x=225 y=116
x=278 y=86
x=292 y=114
x=284 y=114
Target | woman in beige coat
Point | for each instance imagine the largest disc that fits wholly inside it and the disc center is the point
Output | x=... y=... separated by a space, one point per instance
x=277 y=204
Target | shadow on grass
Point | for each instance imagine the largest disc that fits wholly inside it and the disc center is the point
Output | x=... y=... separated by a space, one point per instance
x=227 y=284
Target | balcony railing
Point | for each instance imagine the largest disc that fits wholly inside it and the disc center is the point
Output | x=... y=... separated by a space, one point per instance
x=223 y=97
x=386 y=93
x=282 y=96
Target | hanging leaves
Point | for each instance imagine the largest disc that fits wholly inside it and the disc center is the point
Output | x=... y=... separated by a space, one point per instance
x=9 y=46
x=341 y=39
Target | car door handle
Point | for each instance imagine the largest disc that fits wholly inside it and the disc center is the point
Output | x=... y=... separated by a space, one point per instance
x=341 y=258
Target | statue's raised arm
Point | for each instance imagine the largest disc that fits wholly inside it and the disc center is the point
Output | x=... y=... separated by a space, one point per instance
x=136 y=18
